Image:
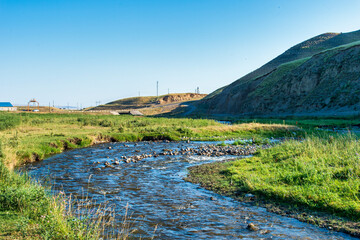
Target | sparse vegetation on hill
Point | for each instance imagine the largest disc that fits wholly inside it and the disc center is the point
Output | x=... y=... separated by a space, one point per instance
x=273 y=78
x=149 y=105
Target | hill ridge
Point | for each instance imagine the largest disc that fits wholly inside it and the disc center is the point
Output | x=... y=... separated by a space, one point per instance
x=231 y=99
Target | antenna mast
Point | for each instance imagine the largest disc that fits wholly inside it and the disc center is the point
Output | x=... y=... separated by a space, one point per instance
x=157 y=88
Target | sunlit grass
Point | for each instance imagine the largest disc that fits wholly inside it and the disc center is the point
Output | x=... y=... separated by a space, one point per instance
x=28 y=210
x=321 y=172
x=33 y=137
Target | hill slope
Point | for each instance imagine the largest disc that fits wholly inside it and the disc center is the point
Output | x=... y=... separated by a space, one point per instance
x=308 y=78
x=149 y=105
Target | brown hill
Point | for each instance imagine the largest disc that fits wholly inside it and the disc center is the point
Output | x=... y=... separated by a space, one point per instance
x=149 y=103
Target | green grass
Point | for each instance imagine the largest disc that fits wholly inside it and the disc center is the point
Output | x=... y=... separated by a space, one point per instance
x=322 y=173
x=37 y=136
x=28 y=210
x=256 y=141
x=316 y=180
x=9 y=121
x=273 y=78
x=342 y=47
x=308 y=123
x=215 y=93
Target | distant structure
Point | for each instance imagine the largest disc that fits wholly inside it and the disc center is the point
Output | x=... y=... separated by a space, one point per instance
x=197 y=90
x=157 y=88
x=33 y=102
x=7 y=106
x=131 y=112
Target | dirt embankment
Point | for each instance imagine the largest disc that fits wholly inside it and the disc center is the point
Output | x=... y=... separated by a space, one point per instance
x=173 y=98
x=149 y=105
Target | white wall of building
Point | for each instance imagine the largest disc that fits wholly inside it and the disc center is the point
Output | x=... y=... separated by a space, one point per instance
x=8 y=108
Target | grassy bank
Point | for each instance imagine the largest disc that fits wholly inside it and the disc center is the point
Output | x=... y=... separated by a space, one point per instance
x=316 y=180
x=27 y=210
x=31 y=137
x=308 y=123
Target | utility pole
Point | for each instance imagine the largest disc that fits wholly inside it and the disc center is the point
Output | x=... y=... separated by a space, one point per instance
x=157 y=88
x=168 y=91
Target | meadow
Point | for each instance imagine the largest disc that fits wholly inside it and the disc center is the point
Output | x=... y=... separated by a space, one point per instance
x=28 y=210
x=320 y=173
x=32 y=137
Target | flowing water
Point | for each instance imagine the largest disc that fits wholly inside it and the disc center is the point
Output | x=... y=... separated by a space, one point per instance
x=157 y=195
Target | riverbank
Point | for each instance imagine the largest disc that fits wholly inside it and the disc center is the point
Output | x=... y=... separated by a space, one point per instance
x=28 y=210
x=315 y=181
x=33 y=137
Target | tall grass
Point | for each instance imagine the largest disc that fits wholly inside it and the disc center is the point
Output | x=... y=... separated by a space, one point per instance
x=42 y=215
x=307 y=123
x=321 y=172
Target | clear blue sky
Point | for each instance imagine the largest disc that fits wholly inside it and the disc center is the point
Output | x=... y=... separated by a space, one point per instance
x=73 y=51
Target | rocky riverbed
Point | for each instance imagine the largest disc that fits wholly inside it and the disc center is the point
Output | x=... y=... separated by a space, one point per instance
x=208 y=150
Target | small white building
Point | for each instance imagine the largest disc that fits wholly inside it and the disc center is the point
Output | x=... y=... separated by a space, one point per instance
x=7 y=106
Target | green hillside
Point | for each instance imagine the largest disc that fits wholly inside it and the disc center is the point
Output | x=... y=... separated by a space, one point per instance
x=310 y=72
